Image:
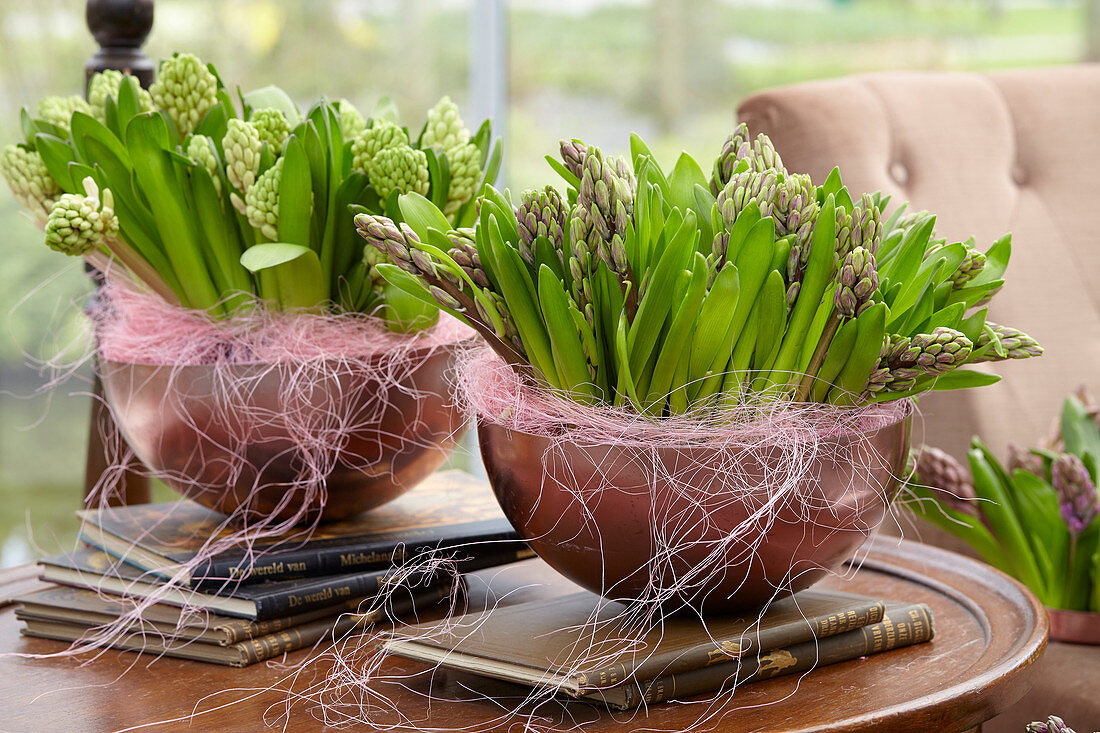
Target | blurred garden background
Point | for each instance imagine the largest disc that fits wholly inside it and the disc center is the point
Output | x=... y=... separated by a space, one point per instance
x=593 y=69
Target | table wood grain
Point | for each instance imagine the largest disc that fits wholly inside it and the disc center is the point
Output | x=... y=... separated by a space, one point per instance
x=989 y=632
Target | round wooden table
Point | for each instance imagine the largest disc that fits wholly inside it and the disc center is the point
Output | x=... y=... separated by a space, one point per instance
x=989 y=632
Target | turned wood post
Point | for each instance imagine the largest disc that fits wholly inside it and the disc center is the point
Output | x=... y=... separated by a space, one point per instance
x=119 y=27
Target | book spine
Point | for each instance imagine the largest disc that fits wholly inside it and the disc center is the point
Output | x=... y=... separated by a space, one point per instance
x=308 y=562
x=722 y=650
x=266 y=647
x=288 y=640
x=903 y=626
x=234 y=630
x=338 y=589
x=271 y=626
x=319 y=593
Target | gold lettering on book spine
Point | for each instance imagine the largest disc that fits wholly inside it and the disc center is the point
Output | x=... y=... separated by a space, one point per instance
x=662 y=688
x=606 y=677
x=846 y=620
x=364 y=558
x=913 y=628
x=268 y=647
x=325 y=594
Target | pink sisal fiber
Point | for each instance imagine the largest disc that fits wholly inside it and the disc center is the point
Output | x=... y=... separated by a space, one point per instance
x=750 y=466
x=492 y=390
x=142 y=328
x=796 y=436
x=345 y=686
x=307 y=353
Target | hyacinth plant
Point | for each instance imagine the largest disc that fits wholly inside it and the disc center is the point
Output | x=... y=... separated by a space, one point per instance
x=213 y=200
x=1053 y=724
x=667 y=292
x=1036 y=517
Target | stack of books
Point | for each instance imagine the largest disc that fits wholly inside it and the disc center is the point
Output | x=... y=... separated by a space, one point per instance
x=582 y=647
x=290 y=592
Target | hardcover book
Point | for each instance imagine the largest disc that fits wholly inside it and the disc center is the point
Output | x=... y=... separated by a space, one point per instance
x=553 y=643
x=81 y=607
x=100 y=572
x=903 y=625
x=449 y=509
x=51 y=621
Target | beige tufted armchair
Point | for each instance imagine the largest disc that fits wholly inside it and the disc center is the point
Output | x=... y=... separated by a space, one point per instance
x=1015 y=151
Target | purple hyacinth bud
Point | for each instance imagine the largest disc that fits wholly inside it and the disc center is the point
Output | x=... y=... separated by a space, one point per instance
x=423 y=262
x=1020 y=459
x=573 y=154
x=1053 y=724
x=1077 y=497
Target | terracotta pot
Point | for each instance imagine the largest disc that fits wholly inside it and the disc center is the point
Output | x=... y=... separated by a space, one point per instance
x=241 y=456
x=1074 y=627
x=591 y=513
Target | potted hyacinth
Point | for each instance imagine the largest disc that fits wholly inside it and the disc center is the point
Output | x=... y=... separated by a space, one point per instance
x=697 y=389
x=244 y=339
x=1036 y=516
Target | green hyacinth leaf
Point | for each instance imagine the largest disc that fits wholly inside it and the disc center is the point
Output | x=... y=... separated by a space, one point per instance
x=406 y=312
x=710 y=345
x=639 y=148
x=706 y=212
x=410 y=285
x=998 y=509
x=492 y=164
x=386 y=109
x=421 y=214
x=996 y=261
x=686 y=175
x=679 y=335
x=818 y=275
x=566 y=174
x=147 y=140
x=966 y=527
x=965 y=379
x=56 y=155
x=439 y=176
x=654 y=309
x=519 y=292
x=564 y=339
x=295 y=209
x=853 y=376
x=289 y=274
x=1080 y=432
x=773 y=321
x=275 y=98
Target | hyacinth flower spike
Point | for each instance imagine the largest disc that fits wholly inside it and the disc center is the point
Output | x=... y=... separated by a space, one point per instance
x=86 y=226
x=679 y=291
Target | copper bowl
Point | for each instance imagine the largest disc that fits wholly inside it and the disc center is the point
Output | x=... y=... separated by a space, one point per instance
x=595 y=514
x=239 y=456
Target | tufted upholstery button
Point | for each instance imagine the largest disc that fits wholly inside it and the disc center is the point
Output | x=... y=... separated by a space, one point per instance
x=899 y=173
x=1019 y=176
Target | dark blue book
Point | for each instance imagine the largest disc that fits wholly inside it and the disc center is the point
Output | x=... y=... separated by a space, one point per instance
x=449 y=510
x=101 y=572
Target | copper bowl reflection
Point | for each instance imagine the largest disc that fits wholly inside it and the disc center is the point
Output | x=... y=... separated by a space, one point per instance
x=227 y=459
x=590 y=512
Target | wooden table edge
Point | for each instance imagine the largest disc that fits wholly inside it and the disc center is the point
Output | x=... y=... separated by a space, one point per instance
x=1012 y=675
x=890 y=556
